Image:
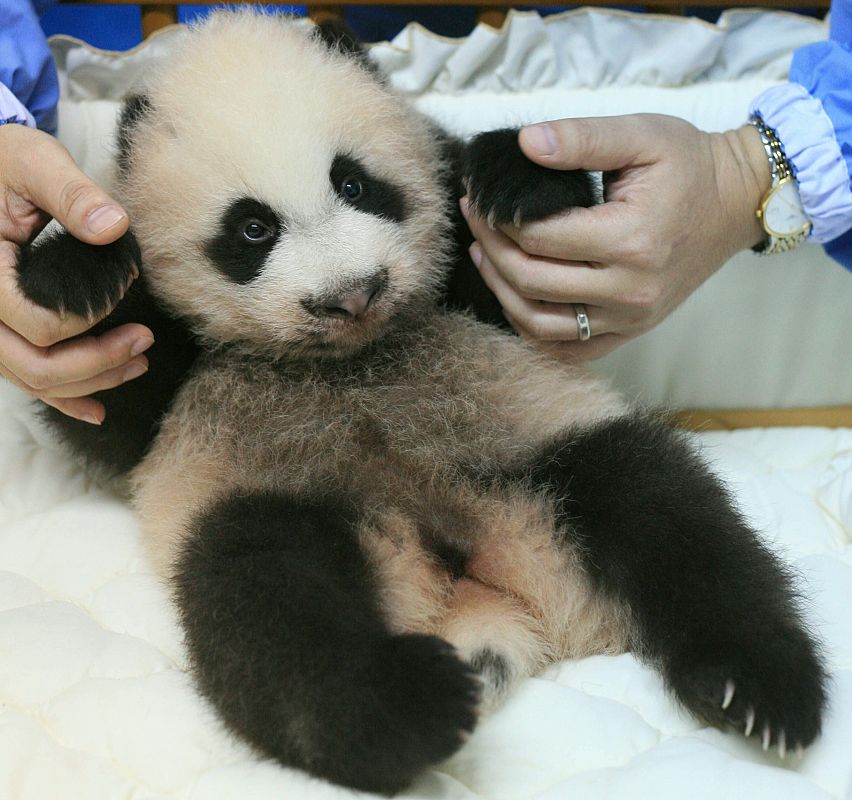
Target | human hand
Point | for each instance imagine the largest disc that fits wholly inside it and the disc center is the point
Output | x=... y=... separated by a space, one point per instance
x=39 y=179
x=678 y=203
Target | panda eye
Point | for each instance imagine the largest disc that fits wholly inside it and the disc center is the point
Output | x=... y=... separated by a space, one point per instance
x=255 y=232
x=351 y=189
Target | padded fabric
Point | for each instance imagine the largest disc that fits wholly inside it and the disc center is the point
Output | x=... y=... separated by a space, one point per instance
x=95 y=705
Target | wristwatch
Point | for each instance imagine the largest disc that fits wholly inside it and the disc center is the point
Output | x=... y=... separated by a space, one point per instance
x=781 y=210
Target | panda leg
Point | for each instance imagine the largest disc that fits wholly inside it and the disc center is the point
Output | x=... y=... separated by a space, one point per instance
x=285 y=637
x=708 y=603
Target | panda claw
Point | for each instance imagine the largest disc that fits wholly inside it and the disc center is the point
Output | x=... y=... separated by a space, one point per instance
x=782 y=745
x=749 y=726
x=491 y=220
x=729 y=694
x=767 y=737
x=516 y=220
x=800 y=751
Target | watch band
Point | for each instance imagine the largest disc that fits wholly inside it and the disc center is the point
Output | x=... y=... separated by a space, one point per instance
x=781 y=171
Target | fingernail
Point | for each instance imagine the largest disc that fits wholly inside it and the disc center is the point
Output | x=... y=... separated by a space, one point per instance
x=134 y=370
x=103 y=218
x=475 y=254
x=91 y=419
x=141 y=345
x=541 y=139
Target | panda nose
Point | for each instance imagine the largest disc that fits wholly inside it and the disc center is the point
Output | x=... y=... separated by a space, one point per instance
x=351 y=302
x=349 y=306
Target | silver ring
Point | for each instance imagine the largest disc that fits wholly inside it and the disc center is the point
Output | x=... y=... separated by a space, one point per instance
x=584 y=328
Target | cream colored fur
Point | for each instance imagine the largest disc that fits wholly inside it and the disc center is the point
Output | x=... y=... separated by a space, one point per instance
x=253 y=105
x=416 y=410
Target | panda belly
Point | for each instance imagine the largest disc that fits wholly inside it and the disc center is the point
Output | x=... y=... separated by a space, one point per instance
x=475 y=562
x=498 y=581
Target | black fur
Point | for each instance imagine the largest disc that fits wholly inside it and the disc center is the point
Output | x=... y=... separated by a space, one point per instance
x=493 y=669
x=504 y=186
x=134 y=409
x=708 y=602
x=238 y=258
x=378 y=197
x=64 y=274
x=135 y=107
x=464 y=289
x=286 y=639
x=61 y=273
x=337 y=36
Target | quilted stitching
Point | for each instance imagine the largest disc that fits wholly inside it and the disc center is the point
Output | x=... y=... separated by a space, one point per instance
x=94 y=703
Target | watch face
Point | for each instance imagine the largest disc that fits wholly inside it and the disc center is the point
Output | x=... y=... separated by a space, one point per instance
x=783 y=214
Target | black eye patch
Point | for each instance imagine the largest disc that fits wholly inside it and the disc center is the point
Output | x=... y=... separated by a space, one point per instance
x=359 y=188
x=248 y=230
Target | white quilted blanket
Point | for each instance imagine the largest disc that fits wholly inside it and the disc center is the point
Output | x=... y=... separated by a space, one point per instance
x=95 y=705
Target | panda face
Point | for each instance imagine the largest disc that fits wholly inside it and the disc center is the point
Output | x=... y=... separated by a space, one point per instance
x=282 y=197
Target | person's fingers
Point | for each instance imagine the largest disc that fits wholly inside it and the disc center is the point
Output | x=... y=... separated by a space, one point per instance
x=597 y=234
x=602 y=234
x=593 y=143
x=44 y=173
x=540 y=278
x=86 y=409
x=68 y=363
x=106 y=380
x=534 y=318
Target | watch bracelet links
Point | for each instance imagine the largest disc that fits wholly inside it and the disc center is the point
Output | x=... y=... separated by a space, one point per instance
x=780 y=168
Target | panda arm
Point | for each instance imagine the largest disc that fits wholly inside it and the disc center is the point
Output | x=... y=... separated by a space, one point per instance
x=63 y=274
x=505 y=187
x=708 y=603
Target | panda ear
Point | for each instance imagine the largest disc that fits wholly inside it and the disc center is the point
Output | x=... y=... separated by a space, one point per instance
x=135 y=107
x=337 y=36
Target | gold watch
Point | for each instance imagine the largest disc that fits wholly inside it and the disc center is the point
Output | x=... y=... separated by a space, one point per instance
x=781 y=211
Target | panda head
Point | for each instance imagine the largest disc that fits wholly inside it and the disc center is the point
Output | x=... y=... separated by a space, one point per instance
x=283 y=198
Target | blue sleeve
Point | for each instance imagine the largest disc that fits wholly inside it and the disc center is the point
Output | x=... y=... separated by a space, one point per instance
x=824 y=69
x=26 y=66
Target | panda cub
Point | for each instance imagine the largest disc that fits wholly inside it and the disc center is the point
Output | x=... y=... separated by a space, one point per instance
x=377 y=515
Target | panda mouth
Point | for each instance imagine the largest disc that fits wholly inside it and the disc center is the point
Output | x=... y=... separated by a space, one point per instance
x=332 y=334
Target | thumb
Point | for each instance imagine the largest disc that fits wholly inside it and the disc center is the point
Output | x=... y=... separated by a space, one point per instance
x=54 y=183
x=592 y=143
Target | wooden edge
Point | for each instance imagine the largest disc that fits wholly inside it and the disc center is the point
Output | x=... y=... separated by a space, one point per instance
x=734 y=419
x=156 y=17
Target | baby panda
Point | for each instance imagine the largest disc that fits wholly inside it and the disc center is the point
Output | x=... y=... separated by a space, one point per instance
x=376 y=514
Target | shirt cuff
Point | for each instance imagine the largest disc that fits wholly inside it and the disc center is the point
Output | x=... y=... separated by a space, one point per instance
x=12 y=110
x=810 y=144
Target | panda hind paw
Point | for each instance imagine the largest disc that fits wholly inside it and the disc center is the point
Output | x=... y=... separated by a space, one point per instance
x=424 y=706
x=778 y=699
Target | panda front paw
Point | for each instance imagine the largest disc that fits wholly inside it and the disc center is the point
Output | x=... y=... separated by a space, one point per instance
x=504 y=186
x=65 y=275
x=421 y=708
x=772 y=689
